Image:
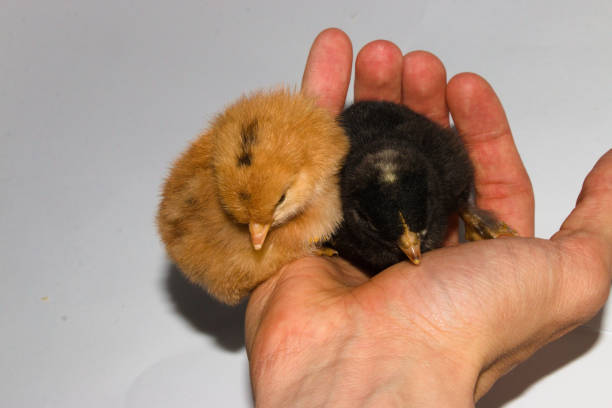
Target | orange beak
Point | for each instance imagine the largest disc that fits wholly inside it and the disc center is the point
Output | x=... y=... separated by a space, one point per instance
x=410 y=243
x=258 y=234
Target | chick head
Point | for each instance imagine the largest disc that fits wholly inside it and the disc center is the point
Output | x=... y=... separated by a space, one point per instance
x=273 y=154
x=392 y=199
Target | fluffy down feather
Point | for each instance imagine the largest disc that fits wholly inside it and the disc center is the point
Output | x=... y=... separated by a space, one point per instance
x=270 y=159
x=403 y=177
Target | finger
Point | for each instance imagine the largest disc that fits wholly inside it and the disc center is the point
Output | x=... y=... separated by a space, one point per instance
x=328 y=69
x=378 y=72
x=502 y=184
x=424 y=86
x=424 y=91
x=592 y=212
x=591 y=221
x=582 y=268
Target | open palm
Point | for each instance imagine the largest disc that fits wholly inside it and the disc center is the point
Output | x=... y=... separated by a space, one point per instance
x=321 y=332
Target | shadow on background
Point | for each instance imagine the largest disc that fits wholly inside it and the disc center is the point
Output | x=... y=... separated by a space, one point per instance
x=204 y=313
x=544 y=362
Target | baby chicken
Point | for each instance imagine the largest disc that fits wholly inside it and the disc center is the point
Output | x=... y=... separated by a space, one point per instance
x=403 y=177
x=256 y=191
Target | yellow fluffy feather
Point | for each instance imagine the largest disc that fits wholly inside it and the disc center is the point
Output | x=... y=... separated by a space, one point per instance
x=270 y=160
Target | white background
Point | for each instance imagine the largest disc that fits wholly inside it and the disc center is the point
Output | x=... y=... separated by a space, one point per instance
x=98 y=97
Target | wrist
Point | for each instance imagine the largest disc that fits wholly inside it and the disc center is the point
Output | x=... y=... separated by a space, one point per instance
x=343 y=373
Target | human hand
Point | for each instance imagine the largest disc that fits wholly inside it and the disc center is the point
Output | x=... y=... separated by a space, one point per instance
x=440 y=334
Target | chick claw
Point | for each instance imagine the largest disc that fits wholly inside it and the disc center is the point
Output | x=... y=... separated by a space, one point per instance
x=479 y=225
x=325 y=251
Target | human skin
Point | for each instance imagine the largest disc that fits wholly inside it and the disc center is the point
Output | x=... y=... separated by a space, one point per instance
x=321 y=333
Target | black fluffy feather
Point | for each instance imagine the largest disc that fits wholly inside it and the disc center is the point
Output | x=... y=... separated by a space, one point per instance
x=399 y=161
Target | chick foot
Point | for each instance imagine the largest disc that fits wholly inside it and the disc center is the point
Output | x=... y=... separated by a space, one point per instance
x=325 y=251
x=481 y=224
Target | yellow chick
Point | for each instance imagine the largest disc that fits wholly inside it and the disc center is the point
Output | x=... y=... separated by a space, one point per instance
x=256 y=191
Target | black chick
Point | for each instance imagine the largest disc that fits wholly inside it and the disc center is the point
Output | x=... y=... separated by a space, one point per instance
x=403 y=177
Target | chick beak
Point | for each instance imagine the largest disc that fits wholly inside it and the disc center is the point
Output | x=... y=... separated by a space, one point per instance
x=258 y=234
x=410 y=243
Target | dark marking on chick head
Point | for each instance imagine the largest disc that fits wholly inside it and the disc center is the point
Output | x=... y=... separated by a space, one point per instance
x=244 y=196
x=244 y=159
x=248 y=136
x=191 y=201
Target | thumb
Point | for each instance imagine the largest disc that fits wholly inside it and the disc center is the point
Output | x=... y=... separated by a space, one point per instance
x=592 y=213
x=585 y=240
